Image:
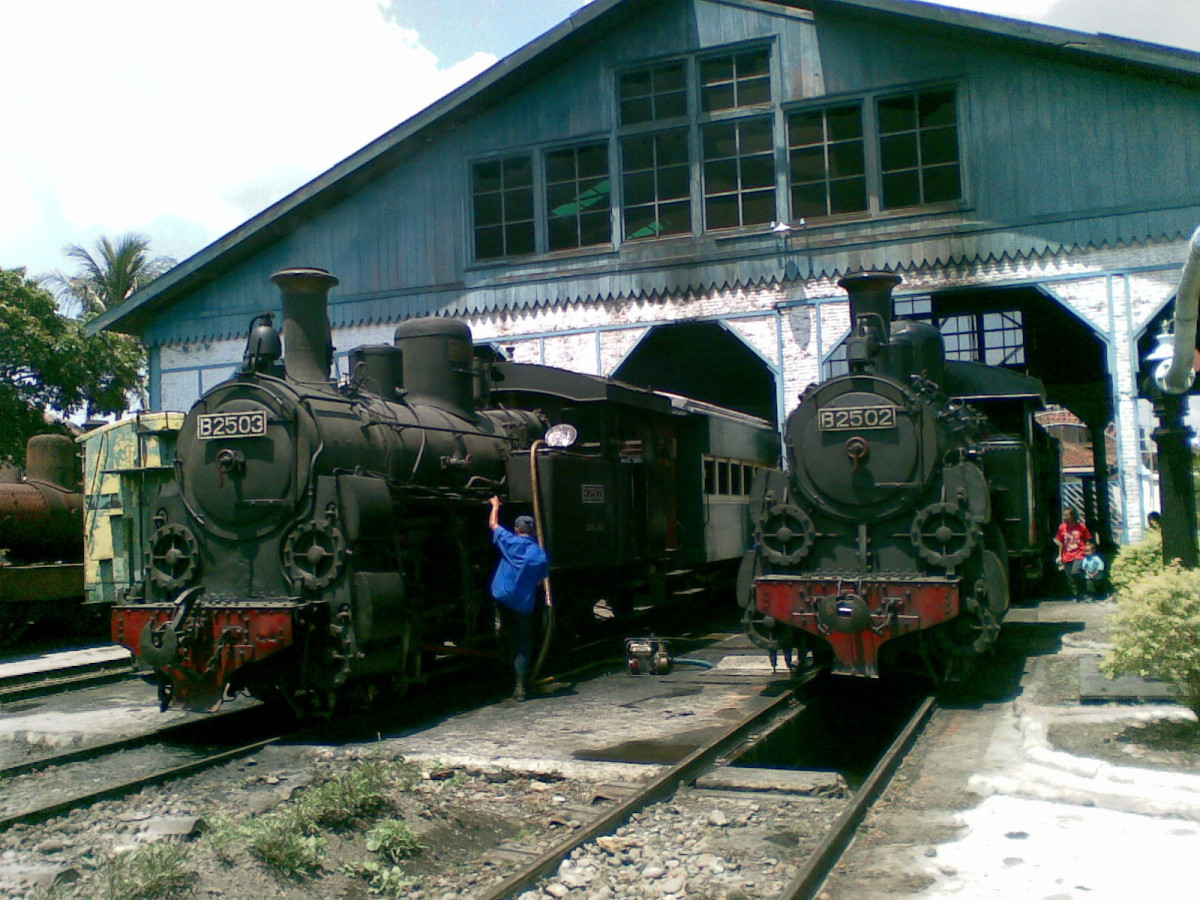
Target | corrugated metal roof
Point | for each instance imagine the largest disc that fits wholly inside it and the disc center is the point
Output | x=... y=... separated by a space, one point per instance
x=138 y=313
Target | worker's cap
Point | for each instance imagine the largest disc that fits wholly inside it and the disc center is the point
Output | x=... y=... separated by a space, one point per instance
x=525 y=523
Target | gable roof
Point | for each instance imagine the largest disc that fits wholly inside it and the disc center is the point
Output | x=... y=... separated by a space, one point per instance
x=1108 y=53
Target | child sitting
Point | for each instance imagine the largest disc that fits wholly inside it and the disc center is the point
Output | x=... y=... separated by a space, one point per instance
x=1093 y=572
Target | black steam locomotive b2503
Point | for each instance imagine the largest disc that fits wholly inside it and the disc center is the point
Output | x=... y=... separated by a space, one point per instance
x=322 y=538
x=919 y=494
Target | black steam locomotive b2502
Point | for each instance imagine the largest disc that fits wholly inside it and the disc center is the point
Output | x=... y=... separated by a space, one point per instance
x=322 y=538
x=920 y=493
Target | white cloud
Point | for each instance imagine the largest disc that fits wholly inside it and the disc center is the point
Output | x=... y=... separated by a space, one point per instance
x=123 y=111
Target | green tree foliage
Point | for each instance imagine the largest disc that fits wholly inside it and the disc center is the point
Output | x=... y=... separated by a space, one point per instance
x=1135 y=561
x=108 y=277
x=47 y=362
x=1156 y=632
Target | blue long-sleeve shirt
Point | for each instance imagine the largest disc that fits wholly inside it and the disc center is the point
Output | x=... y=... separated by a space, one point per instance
x=523 y=563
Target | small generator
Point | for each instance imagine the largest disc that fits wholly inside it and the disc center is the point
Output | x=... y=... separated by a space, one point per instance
x=647 y=656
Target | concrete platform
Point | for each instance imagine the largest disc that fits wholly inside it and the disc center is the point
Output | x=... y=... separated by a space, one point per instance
x=1095 y=687
x=48 y=662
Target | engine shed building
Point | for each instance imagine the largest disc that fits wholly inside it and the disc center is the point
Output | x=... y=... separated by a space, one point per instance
x=668 y=191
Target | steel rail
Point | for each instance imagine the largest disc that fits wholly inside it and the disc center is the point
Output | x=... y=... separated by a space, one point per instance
x=42 y=813
x=177 y=731
x=52 y=682
x=659 y=788
x=811 y=877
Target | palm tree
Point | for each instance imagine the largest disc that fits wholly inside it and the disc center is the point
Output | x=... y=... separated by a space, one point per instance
x=107 y=278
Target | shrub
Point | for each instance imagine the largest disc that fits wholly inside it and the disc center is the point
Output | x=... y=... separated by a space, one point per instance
x=1156 y=632
x=1135 y=561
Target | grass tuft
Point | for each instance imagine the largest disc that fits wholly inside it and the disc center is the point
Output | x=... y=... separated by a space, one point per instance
x=157 y=871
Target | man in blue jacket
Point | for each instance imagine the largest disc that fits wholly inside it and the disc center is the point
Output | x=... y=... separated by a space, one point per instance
x=523 y=563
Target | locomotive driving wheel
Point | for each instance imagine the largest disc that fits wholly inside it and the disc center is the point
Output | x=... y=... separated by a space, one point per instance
x=173 y=557
x=785 y=533
x=314 y=554
x=944 y=534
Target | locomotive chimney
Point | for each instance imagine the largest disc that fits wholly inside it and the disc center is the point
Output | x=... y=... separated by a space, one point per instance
x=871 y=294
x=871 y=316
x=308 y=347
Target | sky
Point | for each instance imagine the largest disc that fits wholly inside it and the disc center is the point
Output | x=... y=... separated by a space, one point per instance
x=180 y=121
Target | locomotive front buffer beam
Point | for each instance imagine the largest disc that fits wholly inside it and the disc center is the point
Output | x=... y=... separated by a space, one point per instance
x=856 y=617
x=200 y=656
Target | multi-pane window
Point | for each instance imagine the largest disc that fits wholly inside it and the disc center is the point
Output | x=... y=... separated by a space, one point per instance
x=577 y=197
x=739 y=173
x=728 y=82
x=827 y=162
x=728 y=477
x=654 y=94
x=960 y=337
x=918 y=148
x=655 y=181
x=994 y=338
x=1004 y=338
x=502 y=193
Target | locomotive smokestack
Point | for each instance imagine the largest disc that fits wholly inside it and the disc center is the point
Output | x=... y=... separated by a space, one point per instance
x=308 y=347
x=871 y=316
x=871 y=294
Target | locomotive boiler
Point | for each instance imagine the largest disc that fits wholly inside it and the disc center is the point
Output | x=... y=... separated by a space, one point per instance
x=326 y=539
x=918 y=491
x=41 y=537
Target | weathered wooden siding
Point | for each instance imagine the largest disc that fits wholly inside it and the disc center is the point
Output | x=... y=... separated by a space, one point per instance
x=1053 y=155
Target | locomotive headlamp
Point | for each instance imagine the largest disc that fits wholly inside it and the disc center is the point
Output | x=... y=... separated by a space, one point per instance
x=562 y=436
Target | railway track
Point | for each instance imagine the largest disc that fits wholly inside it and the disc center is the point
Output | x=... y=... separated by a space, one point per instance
x=57 y=673
x=78 y=778
x=697 y=765
x=806 y=884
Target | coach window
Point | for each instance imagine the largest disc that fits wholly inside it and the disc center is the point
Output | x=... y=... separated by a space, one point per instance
x=502 y=195
x=723 y=477
x=710 y=476
x=578 y=188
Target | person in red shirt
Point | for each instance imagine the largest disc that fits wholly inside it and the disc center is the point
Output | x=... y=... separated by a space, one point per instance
x=1072 y=538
